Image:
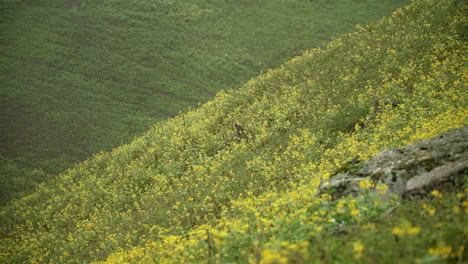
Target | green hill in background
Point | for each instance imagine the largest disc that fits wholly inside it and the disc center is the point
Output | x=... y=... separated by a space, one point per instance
x=197 y=189
x=81 y=76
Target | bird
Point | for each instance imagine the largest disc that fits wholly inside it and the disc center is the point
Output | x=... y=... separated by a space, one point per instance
x=240 y=132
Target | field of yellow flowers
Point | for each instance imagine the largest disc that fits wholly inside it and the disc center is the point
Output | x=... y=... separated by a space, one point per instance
x=191 y=190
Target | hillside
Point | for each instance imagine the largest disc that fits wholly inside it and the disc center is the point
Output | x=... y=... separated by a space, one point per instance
x=79 y=77
x=197 y=189
x=16 y=181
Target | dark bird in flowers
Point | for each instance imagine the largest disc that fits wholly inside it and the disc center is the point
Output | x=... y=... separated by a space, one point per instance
x=240 y=132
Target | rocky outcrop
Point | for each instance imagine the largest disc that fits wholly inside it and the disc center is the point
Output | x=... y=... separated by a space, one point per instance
x=412 y=170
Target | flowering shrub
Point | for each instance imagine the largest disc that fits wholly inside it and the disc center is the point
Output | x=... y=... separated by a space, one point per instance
x=190 y=191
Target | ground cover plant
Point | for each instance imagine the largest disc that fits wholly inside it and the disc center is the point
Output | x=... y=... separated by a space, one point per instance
x=82 y=76
x=197 y=188
x=17 y=181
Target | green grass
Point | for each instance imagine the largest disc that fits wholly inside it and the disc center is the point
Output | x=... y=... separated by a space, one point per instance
x=82 y=76
x=190 y=191
x=16 y=182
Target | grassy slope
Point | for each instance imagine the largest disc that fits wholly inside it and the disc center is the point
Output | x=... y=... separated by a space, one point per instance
x=158 y=198
x=80 y=76
x=16 y=182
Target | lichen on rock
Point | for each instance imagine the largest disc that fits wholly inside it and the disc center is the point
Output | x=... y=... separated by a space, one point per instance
x=409 y=171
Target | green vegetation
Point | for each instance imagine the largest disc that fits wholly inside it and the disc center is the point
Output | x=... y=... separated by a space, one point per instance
x=190 y=191
x=16 y=181
x=83 y=76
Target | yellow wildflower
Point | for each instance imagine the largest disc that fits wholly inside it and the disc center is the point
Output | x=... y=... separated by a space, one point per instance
x=441 y=251
x=269 y=256
x=398 y=231
x=366 y=184
x=413 y=230
x=436 y=193
x=358 y=249
x=382 y=187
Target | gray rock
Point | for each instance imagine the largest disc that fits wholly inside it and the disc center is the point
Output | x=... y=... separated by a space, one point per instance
x=408 y=171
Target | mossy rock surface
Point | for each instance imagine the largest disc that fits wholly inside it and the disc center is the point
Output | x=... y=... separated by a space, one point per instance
x=410 y=170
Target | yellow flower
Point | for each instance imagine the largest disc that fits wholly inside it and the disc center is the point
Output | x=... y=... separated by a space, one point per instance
x=413 y=230
x=357 y=246
x=354 y=212
x=269 y=256
x=398 y=231
x=382 y=187
x=441 y=251
x=366 y=184
x=436 y=193
x=358 y=249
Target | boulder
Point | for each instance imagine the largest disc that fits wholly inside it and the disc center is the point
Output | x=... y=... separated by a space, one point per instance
x=408 y=171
